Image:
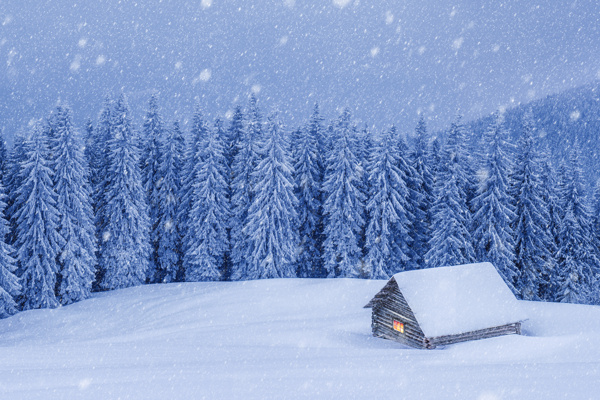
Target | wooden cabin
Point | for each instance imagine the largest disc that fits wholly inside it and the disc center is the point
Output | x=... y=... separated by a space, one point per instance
x=439 y=306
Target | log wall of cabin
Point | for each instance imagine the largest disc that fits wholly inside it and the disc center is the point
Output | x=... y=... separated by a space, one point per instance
x=391 y=306
x=474 y=335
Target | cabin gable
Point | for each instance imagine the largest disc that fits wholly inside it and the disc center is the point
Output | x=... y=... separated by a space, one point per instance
x=393 y=319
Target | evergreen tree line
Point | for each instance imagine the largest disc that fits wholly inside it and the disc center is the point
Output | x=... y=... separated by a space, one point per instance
x=112 y=207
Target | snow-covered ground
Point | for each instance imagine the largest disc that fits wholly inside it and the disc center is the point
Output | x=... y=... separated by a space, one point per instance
x=281 y=339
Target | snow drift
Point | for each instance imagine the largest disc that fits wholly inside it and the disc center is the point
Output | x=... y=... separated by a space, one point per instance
x=283 y=339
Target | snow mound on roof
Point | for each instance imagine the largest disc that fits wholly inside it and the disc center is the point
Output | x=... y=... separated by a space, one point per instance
x=459 y=299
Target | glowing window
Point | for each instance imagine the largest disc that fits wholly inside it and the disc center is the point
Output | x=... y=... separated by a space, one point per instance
x=399 y=326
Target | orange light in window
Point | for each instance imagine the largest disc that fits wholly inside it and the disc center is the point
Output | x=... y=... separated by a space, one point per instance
x=399 y=326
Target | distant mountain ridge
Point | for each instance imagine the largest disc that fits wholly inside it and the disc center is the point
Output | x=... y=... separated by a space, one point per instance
x=561 y=119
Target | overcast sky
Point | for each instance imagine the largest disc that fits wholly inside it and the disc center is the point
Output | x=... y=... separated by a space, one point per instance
x=386 y=60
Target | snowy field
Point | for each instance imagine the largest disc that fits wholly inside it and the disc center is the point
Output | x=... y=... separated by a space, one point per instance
x=281 y=339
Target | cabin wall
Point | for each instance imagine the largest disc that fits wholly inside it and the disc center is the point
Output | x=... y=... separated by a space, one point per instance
x=475 y=335
x=391 y=306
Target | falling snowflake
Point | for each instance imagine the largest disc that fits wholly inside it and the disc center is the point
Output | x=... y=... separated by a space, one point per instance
x=575 y=115
x=457 y=43
x=341 y=3
x=75 y=64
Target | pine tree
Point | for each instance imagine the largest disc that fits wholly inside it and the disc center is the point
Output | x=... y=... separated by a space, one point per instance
x=577 y=254
x=234 y=136
x=77 y=256
x=9 y=283
x=457 y=148
x=492 y=232
x=550 y=197
x=423 y=180
x=451 y=242
x=206 y=238
x=271 y=222
x=411 y=202
x=168 y=231
x=4 y=159
x=386 y=207
x=244 y=163
x=343 y=205
x=97 y=154
x=153 y=135
x=196 y=142
x=124 y=246
x=308 y=180
x=533 y=256
x=596 y=214
x=38 y=242
x=13 y=183
x=435 y=160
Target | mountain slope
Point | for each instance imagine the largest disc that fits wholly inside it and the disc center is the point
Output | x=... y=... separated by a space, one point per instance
x=561 y=119
x=298 y=339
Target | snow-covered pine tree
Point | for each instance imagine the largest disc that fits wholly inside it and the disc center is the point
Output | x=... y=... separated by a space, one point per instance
x=89 y=132
x=318 y=129
x=550 y=197
x=577 y=255
x=234 y=136
x=89 y=143
x=596 y=214
x=362 y=146
x=206 y=240
x=124 y=243
x=152 y=137
x=492 y=232
x=223 y=137
x=97 y=154
x=435 y=160
x=4 y=159
x=38 y=242
x=9 y=283
x=411 y=202
x=196 y=141
x=308 y=180
x=343 y=204
x=13 y=183
x=533 y=242
x=168 y=232
x=450 y=242
x=77 y=256
x=457 y=147
x=272 y=221
x=242 y=191
x=423 y=187
x=386 y=209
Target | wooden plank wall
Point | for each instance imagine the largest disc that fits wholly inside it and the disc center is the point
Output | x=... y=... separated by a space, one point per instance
x=390 y=305
x=475 y=335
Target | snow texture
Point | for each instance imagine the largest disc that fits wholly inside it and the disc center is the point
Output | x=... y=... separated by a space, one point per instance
x=459 y=299
x=281 y=339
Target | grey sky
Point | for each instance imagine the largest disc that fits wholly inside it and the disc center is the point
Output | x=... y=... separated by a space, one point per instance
x=387 y=60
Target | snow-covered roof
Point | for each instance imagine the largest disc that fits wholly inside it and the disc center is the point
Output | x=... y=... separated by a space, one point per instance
x=459 y=299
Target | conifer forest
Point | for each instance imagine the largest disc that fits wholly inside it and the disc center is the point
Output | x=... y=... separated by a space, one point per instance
x=111 y=205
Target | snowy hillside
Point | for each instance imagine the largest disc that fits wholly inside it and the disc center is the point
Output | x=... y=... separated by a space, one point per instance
x=281 y=339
